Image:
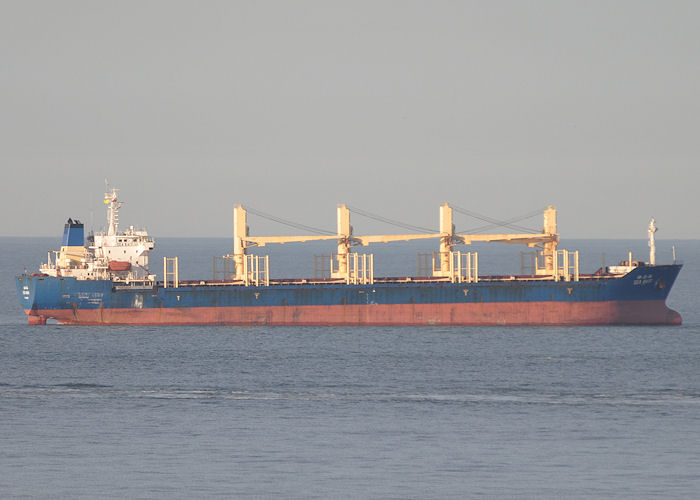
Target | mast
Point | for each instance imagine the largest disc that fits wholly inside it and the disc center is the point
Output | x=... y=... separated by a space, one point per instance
x=113 y=206
x=652 y=242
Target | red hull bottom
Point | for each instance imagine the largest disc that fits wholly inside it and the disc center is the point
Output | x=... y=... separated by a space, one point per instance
x=648 y=312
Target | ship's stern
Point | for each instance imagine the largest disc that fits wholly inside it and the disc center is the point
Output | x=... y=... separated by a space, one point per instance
x=26 y=291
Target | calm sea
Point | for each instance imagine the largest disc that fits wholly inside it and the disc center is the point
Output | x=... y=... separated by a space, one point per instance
x=381 y=413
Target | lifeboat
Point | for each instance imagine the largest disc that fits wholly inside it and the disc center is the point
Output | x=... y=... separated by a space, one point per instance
x=117 y=265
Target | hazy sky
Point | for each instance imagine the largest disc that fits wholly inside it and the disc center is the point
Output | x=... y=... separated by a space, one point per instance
x=291 y=107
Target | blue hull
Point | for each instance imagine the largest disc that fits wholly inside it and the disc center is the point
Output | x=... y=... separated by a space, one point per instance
x=523 y=301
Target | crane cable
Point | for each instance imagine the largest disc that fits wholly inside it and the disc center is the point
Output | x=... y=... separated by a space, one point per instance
x=386 y=220
x=289 y=223
x=499 y=223
x=493 y=222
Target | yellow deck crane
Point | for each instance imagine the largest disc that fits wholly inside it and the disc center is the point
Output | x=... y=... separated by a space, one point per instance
x=343 y=267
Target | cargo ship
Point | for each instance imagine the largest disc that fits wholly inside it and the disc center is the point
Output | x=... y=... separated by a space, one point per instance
x=105 y=279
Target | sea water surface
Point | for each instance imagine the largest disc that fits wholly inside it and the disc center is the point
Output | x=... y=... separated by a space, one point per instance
x=343 y=412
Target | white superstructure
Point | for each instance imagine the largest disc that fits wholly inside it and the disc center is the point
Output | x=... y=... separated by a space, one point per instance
x=122 y=256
